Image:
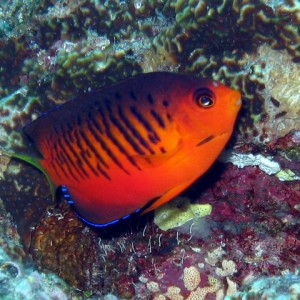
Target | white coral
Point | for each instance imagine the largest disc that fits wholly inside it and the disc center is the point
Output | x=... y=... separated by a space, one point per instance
x=242 y=160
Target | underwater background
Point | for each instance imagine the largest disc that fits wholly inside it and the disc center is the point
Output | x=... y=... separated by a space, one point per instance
x=248 y=244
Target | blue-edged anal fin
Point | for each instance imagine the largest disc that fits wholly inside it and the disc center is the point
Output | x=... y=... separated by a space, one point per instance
x=166 y=197
x=34 y=161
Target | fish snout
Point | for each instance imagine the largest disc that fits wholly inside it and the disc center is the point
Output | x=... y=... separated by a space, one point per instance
x=236 y=99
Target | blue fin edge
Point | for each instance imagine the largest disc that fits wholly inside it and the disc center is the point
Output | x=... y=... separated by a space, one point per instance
x=67 y=196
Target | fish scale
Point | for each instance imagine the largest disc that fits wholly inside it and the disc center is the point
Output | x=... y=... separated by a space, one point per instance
x=95 y=133
x=116 y=149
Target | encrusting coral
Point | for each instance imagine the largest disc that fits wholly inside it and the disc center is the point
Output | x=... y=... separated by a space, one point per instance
x=72 y=47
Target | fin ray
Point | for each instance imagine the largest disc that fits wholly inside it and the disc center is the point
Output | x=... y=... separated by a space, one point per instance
x=34 y=161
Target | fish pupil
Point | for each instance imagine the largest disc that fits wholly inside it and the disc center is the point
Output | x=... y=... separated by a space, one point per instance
x=204 y=98
x=206 y=101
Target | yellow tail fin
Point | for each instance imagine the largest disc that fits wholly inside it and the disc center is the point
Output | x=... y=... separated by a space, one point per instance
x=34 y=161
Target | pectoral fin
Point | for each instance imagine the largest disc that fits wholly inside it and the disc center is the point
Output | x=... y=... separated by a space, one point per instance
x=157 y=159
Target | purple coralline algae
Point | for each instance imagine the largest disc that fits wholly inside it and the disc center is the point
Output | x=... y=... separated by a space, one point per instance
x=52 y=50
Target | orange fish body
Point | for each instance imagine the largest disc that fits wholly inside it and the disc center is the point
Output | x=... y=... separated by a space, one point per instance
x=149 y=137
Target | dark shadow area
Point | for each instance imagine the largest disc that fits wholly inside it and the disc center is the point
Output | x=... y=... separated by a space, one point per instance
x=205 y=182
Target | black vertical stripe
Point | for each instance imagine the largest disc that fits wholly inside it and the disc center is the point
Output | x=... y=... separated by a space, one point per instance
x=62 y=159
x=53 y=157
x=47 y=144
x=84 y=153
x=134 y=131
x=55 y=152
x=67 y=165
x=100 y=169
x=59 y=157
x=132 y=95
x=88 y=153
x=153 y=136
x=115 y=141
x=82 y=156
x=79 y=161
x=89 y=144
x=95 y=123
x=67 y=160
x=158 y=118
x=150 y=99
x=94 y=129
x=69 y=130
x=53 y=165
x=59 y=163
x=125 y=134
x=69 y=140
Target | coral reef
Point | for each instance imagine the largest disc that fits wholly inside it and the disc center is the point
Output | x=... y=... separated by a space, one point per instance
x=16 y=110
x=266 y=163
x=4 y=161
x=254 y=229
x=50 y=51
x=18 y=281
x=67 y=255
x=61 y=48
x=10 y=242
x=276 y=287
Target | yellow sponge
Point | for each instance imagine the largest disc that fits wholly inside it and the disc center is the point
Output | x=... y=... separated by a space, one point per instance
x=178 y=212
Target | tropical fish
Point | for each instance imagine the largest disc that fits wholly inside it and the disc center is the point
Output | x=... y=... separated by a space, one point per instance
x=135 y=145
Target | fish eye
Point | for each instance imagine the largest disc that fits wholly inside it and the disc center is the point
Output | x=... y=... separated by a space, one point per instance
x=204 y=98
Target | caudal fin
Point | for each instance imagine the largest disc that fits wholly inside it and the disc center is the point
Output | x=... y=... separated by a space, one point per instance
x=34 y=161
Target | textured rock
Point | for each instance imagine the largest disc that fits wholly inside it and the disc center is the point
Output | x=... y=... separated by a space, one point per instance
x=52 y=50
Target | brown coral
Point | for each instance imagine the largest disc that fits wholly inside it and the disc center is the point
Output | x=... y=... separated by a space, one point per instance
x=71 y=251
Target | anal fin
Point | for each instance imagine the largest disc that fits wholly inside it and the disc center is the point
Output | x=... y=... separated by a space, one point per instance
x=168 y=196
